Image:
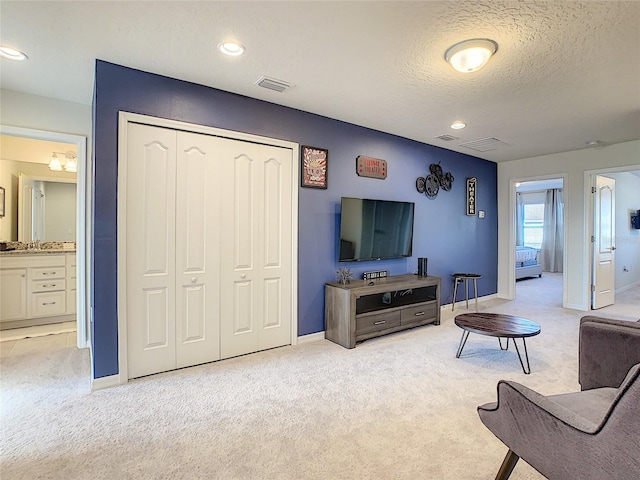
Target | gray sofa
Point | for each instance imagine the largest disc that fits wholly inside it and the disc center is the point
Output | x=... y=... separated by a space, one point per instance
x=593 y=434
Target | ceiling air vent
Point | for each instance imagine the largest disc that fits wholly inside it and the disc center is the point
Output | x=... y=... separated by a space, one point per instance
x=447 y=138
x=273 y=84
x=485 y=144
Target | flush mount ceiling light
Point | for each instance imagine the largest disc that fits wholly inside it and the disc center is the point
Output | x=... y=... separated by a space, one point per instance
x=231 y=48
x=12 y=53
x=470 y=55
x=458 y=125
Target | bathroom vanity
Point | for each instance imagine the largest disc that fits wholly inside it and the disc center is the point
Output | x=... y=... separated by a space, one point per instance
x=37 y=287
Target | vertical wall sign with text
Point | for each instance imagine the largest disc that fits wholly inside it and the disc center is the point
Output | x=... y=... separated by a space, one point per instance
x=471 y=196
x=314 y=167
x=371 y=167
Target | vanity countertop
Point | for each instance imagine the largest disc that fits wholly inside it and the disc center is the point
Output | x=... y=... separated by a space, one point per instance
x=34 y=252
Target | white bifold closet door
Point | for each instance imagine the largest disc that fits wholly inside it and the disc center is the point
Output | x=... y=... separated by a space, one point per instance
x=208 y=248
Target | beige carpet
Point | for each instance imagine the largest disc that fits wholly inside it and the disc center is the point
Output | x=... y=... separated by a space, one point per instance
x=398 y=407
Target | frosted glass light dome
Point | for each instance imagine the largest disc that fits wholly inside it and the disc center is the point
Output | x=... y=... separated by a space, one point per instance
x=470 y=55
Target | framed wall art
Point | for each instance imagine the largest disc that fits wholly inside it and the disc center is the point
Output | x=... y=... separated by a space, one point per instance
x=314 y=163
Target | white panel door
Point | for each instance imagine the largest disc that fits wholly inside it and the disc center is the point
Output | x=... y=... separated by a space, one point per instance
x=604 y=243
x=256 y=249
x=150 y=251
x=25 y=208
x=197 y=250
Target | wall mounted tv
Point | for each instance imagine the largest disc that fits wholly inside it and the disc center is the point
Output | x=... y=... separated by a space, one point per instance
x=375 y=229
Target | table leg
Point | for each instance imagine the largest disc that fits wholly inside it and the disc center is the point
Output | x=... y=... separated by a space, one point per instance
x=507 y=347
x=527 y=371
x=466 y=292
x=455 y=289
x=475 y=291
x=463 y=340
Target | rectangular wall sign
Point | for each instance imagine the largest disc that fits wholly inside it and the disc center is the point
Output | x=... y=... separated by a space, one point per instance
x=371 y=167
x=471 y=196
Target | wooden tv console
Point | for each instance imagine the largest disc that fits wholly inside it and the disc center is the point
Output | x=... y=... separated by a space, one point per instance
x=358 y=310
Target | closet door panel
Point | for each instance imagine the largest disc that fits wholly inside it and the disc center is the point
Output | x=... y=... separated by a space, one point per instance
x=197 y=250
x=150 y=200
x=276 y=258
x=254 y=255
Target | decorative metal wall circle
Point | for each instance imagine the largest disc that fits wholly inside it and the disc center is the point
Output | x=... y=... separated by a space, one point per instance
x=434 y=181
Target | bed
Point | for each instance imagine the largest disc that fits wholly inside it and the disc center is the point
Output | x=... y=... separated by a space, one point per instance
x=527 y=264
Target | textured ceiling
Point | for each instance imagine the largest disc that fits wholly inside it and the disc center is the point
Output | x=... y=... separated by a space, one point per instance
x=565 y=73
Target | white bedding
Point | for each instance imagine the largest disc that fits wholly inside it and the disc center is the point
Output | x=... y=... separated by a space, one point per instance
x=525 y=254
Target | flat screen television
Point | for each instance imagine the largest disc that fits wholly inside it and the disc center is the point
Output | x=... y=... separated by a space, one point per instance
x=375 y=229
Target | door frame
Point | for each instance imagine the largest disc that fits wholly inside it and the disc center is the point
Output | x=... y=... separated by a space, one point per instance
x=511 y=292
x=84 y=222
x=124 y=118
x=589 y=223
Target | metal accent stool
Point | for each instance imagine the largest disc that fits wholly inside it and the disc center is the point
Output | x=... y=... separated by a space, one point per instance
x=465 y=277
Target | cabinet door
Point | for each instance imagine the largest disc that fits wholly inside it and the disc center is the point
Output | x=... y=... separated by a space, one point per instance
x=13 y=294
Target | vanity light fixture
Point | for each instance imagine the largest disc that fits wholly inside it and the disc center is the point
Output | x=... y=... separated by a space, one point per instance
x=54 y=164
x=458 y=125
x=12 y=53
x=232 y=49
x=470 y=55
x=70 y=165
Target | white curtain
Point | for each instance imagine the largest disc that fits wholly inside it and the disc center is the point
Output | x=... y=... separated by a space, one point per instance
x=553 y=231
x=519 y=219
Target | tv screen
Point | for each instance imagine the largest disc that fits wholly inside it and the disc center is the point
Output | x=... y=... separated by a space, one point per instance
x=375 y=229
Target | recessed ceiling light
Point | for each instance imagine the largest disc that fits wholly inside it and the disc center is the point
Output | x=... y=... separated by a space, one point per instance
x=470 y=55
x=458 y=125
x=231 y=48
x=12 y=53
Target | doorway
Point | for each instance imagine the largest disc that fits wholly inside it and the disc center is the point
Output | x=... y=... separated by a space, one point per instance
x=539 y=239
x=615 y=242
x=83 y=219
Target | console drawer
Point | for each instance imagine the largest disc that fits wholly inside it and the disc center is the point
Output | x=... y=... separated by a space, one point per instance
x=419 y=313
x=378 y=321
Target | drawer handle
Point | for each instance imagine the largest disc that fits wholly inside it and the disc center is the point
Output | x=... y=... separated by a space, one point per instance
x=380 y=322
x=49 y=303
x=418 y=314
x=49 y=273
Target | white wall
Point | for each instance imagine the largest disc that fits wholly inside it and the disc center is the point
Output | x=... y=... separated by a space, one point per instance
x=574 y=167
x=627 y=239
x=42 y=113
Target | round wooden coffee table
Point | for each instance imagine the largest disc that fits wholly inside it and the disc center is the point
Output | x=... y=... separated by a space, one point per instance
x=501 y=326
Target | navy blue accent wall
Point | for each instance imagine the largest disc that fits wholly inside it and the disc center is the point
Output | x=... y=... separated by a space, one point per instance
x=452 y=241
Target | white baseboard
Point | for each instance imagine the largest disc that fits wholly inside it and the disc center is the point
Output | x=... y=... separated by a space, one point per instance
x=105 y=382
x=627 y=287
x=312 y=337
x=471 y=301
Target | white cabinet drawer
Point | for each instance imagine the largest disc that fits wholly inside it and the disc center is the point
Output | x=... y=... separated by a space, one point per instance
x=49 y=303
x=46 y=273
x=48 y=285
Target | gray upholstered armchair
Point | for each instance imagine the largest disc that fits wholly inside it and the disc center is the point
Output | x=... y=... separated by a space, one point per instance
x=591 y=434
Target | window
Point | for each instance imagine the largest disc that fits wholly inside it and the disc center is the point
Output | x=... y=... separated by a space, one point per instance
x=533 y=217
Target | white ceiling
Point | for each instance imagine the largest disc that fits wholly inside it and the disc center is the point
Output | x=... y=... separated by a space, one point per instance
x=565 y=72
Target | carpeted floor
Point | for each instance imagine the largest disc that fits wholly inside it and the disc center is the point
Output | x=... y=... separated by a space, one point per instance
x=397 y=407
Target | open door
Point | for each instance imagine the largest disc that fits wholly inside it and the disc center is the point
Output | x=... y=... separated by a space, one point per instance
x=603 y=285
x=25 y=207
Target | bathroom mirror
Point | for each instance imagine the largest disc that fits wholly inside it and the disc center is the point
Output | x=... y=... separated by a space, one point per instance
x=52 y=204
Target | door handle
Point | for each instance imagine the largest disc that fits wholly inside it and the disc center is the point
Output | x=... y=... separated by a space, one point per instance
x=613 y=248
x=193 y=279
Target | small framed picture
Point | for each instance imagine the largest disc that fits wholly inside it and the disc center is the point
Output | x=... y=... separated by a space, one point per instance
x=314 y=162
x=1 y=202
